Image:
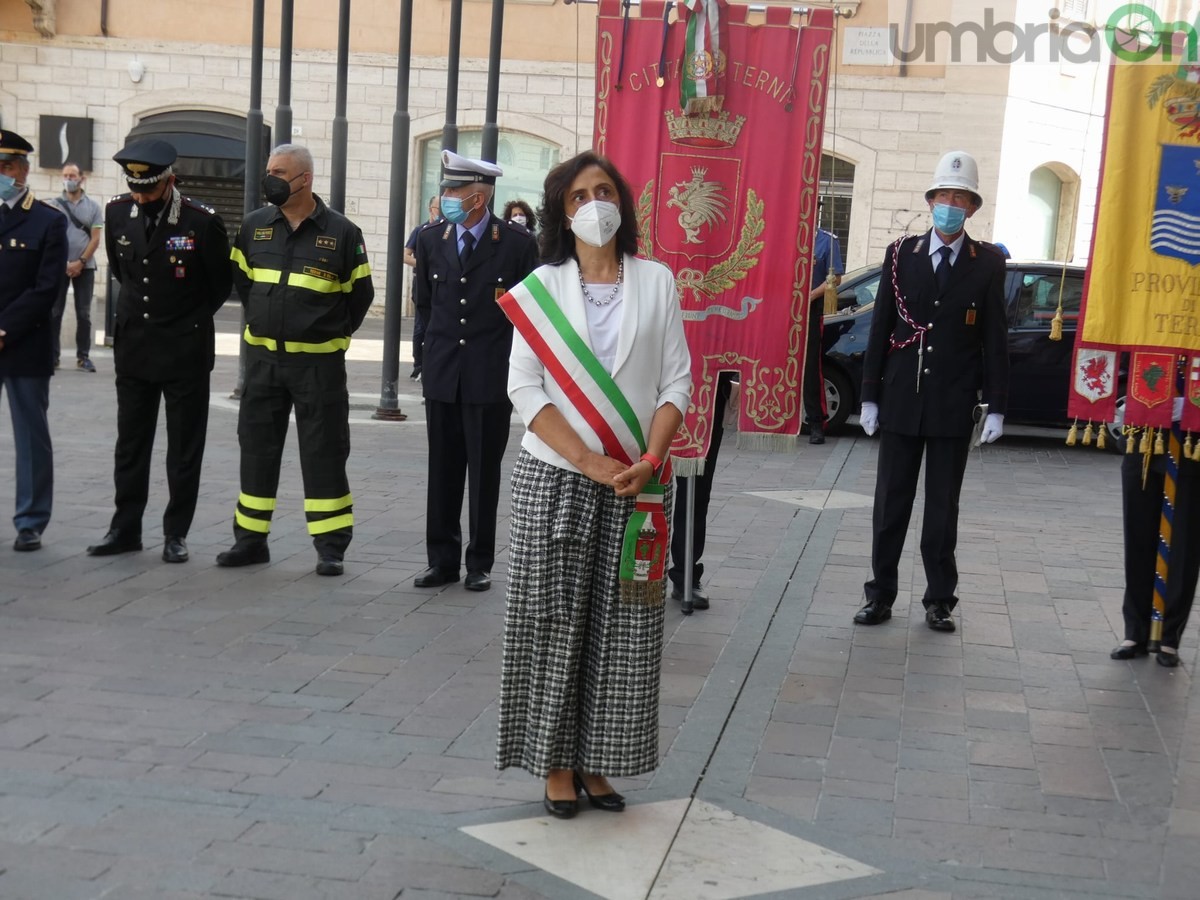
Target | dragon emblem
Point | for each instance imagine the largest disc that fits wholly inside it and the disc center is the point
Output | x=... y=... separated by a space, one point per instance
x=699 y=203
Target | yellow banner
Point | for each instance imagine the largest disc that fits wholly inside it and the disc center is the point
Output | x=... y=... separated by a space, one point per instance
x=1144 y=280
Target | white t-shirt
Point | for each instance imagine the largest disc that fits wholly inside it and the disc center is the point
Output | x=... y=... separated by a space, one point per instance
x=604 y=323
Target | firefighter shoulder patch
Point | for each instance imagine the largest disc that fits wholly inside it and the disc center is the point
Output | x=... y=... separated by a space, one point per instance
x=264 y=234
x=326 y=243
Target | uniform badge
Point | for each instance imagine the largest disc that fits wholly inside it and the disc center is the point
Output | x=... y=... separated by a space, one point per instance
x=326 y=243
x=264 y=234
x=180 y=272
x=320 y=273
x=123 y=241
x=181 y=242
x=970 y=320
x=500 y=292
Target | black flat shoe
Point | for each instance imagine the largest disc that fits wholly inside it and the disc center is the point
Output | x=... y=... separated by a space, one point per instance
x=699 y=598
x=434 y=577
x=938 y=618
x=1127 y=651
x=175 y=550
x=115 y=542
x=874 y=613
x=27 y=540
x=477 y=581
x=560 y=809
x=1169 y=660
x=610 y=802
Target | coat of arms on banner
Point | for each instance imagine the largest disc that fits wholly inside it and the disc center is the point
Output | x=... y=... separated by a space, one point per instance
x=1150 y=377
x=1175 y=230
x=1095 y=373
x=696 y=204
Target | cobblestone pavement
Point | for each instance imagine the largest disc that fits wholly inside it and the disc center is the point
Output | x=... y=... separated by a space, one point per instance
x=184 y=731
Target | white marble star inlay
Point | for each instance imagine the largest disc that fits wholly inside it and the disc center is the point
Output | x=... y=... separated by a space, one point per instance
x=671 y=850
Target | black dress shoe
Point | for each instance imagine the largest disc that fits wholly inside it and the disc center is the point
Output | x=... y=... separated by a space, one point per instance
x=175 y=550
x=816 y=434
x=699 y=598
x=610 y=802
x=113 y=543
x=874 y=613
x=477 y=581
x=244 y=553
x=27 y=539
x=1127 y=651
x=435 y=577
x=329 y=565
x=938 y=618
x=1169 y=660
x=560 y=809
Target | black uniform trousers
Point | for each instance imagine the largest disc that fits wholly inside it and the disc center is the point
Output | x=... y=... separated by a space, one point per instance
x=466 y=444
x=703 y=494
x=895 y=491
x=814 y=382
x=318 y=394
x=186 y=401
x=1142 y=512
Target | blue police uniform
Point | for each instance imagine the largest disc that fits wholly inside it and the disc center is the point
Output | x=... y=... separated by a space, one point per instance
x=33 y=261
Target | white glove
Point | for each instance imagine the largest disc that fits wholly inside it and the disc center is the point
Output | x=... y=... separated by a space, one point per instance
x=868 y=417
x=993 y=427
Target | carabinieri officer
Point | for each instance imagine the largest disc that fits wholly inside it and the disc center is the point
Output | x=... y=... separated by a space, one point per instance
x=463 y=268
x=171 y=255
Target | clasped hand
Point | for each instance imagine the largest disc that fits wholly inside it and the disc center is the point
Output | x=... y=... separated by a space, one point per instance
x=626 y=481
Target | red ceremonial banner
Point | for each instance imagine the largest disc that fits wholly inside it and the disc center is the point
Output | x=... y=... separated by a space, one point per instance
x=726 y=195
x=1151 y=388
x=1191 y=396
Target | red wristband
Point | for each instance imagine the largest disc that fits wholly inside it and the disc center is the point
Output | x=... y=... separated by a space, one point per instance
x=653 y=460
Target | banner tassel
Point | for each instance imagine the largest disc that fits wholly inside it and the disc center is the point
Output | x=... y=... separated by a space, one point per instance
x=1073 y=434
x=1144 y=444
x=1130 y=433
x=1102 y=437
x=1056 y=326
x=1087 y=435
x=1160 y=446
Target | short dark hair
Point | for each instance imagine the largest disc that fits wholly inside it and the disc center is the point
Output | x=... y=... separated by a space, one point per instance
x=555 y=242
x=530 y=218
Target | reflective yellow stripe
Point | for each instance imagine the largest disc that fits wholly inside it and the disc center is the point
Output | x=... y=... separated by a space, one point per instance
x=331 y=505
x=363 y=271
x=265 y=504
x=321 y=526
x=312 y=283
x=260 y=525
x=269 y=343
x=240 y=258
x=332 y=346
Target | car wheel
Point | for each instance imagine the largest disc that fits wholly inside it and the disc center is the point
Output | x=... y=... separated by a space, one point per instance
x=839 y=398
x=1116 y=437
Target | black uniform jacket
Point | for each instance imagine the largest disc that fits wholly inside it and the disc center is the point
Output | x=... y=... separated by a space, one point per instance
x=467 y=337
x=172 y=282
x=965 y=346
x=304 y=291
x=33 y=263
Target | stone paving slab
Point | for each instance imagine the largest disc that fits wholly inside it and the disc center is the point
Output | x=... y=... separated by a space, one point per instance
x=192 y=732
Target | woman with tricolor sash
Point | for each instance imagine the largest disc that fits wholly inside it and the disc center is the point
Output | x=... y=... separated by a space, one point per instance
x=600 y=374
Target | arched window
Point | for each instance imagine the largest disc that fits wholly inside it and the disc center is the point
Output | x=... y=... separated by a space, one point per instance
x=1048 y=227
x=525 y=159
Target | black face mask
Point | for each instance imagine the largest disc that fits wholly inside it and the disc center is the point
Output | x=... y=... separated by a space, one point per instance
x=277 y=190
x=152 y=208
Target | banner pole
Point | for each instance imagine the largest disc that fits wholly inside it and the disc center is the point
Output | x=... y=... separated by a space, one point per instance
x=1162 y=568
x=689 y=537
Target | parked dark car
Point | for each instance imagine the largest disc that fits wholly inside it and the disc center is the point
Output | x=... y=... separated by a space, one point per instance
x=1040 y=368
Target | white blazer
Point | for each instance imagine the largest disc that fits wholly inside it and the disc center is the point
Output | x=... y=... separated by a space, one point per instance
x=652 y=365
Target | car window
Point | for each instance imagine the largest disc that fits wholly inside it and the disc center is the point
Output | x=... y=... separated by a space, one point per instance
x=858 y=293
x=1037 y=301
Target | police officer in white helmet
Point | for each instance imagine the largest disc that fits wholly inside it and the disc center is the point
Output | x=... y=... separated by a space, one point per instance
x=938 y=348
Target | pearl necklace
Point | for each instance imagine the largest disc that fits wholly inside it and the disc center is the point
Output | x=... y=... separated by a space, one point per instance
x=587 y=295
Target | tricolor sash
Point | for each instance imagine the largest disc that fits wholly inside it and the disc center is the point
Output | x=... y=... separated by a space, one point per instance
x=597 y=398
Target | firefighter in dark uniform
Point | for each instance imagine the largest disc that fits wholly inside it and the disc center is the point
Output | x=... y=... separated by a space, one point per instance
x=301 y=271
x=171 y=255
x=33 y=259
x=463 y=266
x=939 y=339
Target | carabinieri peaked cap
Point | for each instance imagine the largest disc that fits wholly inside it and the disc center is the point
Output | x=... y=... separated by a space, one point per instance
x=13 y=146
x=145 y=161
x=459 y=170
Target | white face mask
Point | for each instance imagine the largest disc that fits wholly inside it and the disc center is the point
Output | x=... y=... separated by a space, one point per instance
x=596 y=222
x=518 y=218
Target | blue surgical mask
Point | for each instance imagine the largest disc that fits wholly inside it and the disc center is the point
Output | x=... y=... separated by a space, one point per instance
x=9 y=187
x=452 y=209
x=948 y=219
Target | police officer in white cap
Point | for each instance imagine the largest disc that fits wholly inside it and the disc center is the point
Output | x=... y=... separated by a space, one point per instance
x=463 y=267
x=938 y=348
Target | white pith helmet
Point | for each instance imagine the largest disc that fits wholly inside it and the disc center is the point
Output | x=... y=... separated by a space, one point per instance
x=957 y=170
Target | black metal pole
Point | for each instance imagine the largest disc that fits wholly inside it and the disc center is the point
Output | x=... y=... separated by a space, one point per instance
x=254 y=151
x=450 y=129
x=389 y=401
x=491 y=132
x=337 y=187
x=283 y=111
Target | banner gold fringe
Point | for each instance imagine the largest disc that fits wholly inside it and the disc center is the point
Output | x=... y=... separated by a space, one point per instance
x=644 y=593
x=1130 y=433
x=1144 y=444
x=1160 y=446
x=1087 y=435
x=751 y=440
x=1073 y=434
x=687 y=468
